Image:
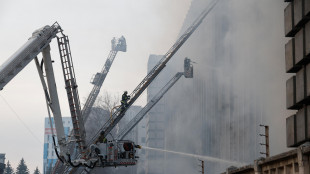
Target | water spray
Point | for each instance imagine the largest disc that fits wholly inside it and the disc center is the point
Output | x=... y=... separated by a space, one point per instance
x=207 y=158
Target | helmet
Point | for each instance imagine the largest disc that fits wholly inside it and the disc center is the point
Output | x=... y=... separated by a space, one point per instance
x=125 y=92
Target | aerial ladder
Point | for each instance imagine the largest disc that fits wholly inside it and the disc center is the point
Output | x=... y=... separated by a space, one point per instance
x=117 y=44
x=98 y=79
x=188 y=73
x=72 y=92
x=101 y=134
x=39 y=42
x=118 y=115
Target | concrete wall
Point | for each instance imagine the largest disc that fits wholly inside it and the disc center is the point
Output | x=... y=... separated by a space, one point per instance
x=292 y=162
x=297 y=58
x=155 y=123
x=297 y=49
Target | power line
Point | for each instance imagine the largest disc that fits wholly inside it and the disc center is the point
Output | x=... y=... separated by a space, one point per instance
x=19 y=118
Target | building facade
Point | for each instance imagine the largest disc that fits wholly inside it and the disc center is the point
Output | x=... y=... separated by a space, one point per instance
x=297 y=51
x=218 y=113
x=137 y=135
x=155 y=122
x=49 y=155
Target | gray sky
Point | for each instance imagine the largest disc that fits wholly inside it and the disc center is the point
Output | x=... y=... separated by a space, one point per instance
x=150 y=27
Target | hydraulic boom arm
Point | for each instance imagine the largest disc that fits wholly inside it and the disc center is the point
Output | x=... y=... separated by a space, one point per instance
x=117 y=45
x=39 y=42
x=20 y=59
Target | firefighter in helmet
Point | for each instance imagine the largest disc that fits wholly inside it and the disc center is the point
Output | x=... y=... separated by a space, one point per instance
x=124 y=101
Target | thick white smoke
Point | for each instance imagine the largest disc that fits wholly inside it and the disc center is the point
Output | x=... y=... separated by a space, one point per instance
x=239 y=83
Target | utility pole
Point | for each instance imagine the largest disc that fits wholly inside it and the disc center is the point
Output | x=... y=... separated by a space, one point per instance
x=202 y=166
x=266 y=135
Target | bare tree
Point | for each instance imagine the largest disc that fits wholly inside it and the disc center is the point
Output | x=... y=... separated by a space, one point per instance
x=100 y=113
x=107 y=101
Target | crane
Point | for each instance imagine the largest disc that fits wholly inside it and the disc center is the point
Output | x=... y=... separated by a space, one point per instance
x=188 y=73
x=37 y=43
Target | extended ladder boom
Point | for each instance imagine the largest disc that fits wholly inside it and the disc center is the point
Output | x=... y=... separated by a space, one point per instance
x=188 y=73
x=97 y=81
x=20 y=59
x=72 y=90
x=118 y=115
x=117 y=45
x=148 y=107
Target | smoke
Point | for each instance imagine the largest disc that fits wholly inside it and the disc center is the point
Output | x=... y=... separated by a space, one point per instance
x=239 y=83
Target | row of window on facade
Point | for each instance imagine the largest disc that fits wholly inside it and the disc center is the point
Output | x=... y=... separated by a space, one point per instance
x=63 y=122
x=52 y=153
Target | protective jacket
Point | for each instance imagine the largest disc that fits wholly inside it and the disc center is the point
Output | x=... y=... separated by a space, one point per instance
x=125 y=98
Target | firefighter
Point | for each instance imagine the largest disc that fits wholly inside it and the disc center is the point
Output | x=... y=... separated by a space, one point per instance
x=124 y=100
x=128 y=146
x=101 y=138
